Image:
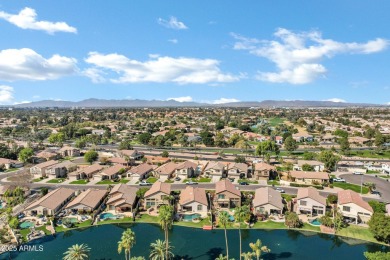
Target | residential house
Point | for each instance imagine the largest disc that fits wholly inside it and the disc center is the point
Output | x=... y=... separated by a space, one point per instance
x=317 y=166
x=267 y=201
x=60 y=170
x=141 y=171
x=237 y=170
x=8 y=163
x=301 y=137
x=194 y=200
x=309 y=201
x=311 y=178
x=119 y=160
x=122 y=198
x=45 y=156
x=39 y=170
x=68 y=151
x=87 y=201
x=263 y=171
x=51 y=203
x=226 y=195
x=131 y=154
x=187 y=169
x=386 y=168
x=86 y=172
x=215 y=169
x=352 y=206
x=110 y=173
x=157 y=195
x=165 y=171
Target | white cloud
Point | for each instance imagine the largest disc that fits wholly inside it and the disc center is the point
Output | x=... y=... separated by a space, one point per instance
x=174 y=41
x=26 y=64
x=225 y=100
x=22 y=102
x=337 y=100
x=172 y=23
x=297 y=56
x=36 y=96
x=26 y=19
x=6 y=94
x=180 y=70
x=182 y=99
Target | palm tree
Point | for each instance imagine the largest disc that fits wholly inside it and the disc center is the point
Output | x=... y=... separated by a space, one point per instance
x=127 y=242
x=221 y=257
x=77 y=252
x=223 y=219
x=158 y=250
x=247 y=255
x=165 y=219
x=240 y=214
x=258 y=248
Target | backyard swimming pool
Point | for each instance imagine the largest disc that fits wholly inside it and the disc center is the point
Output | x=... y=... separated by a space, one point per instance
x=105 y=216
x=191 y=217
x=26 y=224
x=315 y=222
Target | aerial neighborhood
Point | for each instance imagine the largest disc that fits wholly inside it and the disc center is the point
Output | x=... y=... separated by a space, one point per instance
x=303 y=169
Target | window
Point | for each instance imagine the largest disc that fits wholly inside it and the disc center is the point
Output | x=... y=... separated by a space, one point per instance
x=303 y=202
x=346 y=208
x=200 y=208
x=221 y=196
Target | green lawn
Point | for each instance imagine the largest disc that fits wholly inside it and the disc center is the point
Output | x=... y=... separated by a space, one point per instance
x=151 y=180
x=248 y=181
x=273 y=182
x=124 y=181
x=370 y=154
x=203 y=222
x=59 y=180
x=37 y=180
x=269 y=225
x=145 y=218
x=372 y=172
x=113 y=182
x=202 y=179
x=12 y=169
x=385 y=176
x=113 y=221
x=86 y=223
x=350 y=186
x=79 y=182
x=169 y=181
x=274 y=121
x=358 y=233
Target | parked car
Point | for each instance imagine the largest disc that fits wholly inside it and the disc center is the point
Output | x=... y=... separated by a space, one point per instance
x=244 y=183
x=375 y=192
x=358 y=173
x=144 y=183
x=177 y=179
x=280 y=190
x=191 y=183
x=338 y=179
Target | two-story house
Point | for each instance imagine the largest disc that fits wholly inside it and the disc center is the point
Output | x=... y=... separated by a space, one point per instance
x=267 y=201
x=193 y=200
x=263 y=171
x=309 y=201
x=352 y=206
x=186 y=170
x=157 y=195
x=237 y=170
x=226 y=195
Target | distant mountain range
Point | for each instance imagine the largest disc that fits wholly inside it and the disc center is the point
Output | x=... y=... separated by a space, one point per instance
x=105 y=103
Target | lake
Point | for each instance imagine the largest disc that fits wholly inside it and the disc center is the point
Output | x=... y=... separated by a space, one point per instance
x=190 y=243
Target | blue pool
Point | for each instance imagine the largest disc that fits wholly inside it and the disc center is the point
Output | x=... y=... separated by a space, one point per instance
x=26 y=224
x=108 y=216
x=191 y=217
x=315 y=222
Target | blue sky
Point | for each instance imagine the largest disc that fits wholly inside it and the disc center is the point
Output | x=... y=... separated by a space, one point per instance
x=205 y=51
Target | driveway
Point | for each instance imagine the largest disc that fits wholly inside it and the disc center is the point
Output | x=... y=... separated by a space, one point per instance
x=383 y=186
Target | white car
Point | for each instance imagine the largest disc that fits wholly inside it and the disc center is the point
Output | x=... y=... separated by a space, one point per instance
x=358 y=173
x=338 y=180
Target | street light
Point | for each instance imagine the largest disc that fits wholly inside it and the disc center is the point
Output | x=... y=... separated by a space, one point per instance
x=361 y=184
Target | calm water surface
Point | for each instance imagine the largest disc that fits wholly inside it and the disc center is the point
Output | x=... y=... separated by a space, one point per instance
x=198 y=244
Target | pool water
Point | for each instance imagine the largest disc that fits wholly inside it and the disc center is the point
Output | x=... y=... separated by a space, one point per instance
x=73 y=220
x=26 y=224
x=108 y=216
x=191 y=217
x=231 y=218
x=315 y=222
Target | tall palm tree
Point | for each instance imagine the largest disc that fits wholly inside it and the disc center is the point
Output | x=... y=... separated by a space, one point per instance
x=223 y=219
x=158 y=250
x=165 y=218
x=221 y=257
x=240 y=214
x=247 y=255
x=127 y=242
x=77 y=252
x=258 y=248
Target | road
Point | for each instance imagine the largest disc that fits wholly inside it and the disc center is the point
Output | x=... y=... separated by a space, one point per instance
x=383 y=186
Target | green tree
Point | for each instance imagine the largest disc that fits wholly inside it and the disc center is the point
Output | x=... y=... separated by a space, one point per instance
x=377 y=255
x=223 y=219
x=44 y=191
x=80 y=143
x=221 y=257
x=91 y=156
x=144 y=138
x=57 y=138
x=378 y=207
x=13 y=223
x=125 y=145
x=379 y=225
x=241 y=214
x=165 y=218
x=126 y=243
x=165 y=154
x=307 y=167
x=344 y=145
x=292 y=220
x=258 y=248
x=290 y=144
x=220 y=140
x=25 y=154
x=77 y=252
x=158 y=250
x=329 y=159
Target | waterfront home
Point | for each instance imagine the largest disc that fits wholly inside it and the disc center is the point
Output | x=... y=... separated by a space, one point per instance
x=352 y=206
x=215 y=169
x=141 y=171
x=187 y=169
x=39 y=170
x=87 y=201
x=317 y=166
x=226 y=195
x=8 y=163
x=267 y=201
x=51 y=203
x=60 y=170
x=193 y=200
x=85 y=173
x=237 y=170
x=263 y=171
x=110 y=173
x=309 y=201
x=122 y=198
x=165 y=171
x=157 y=195
x=68 y=151
x=312 y=178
